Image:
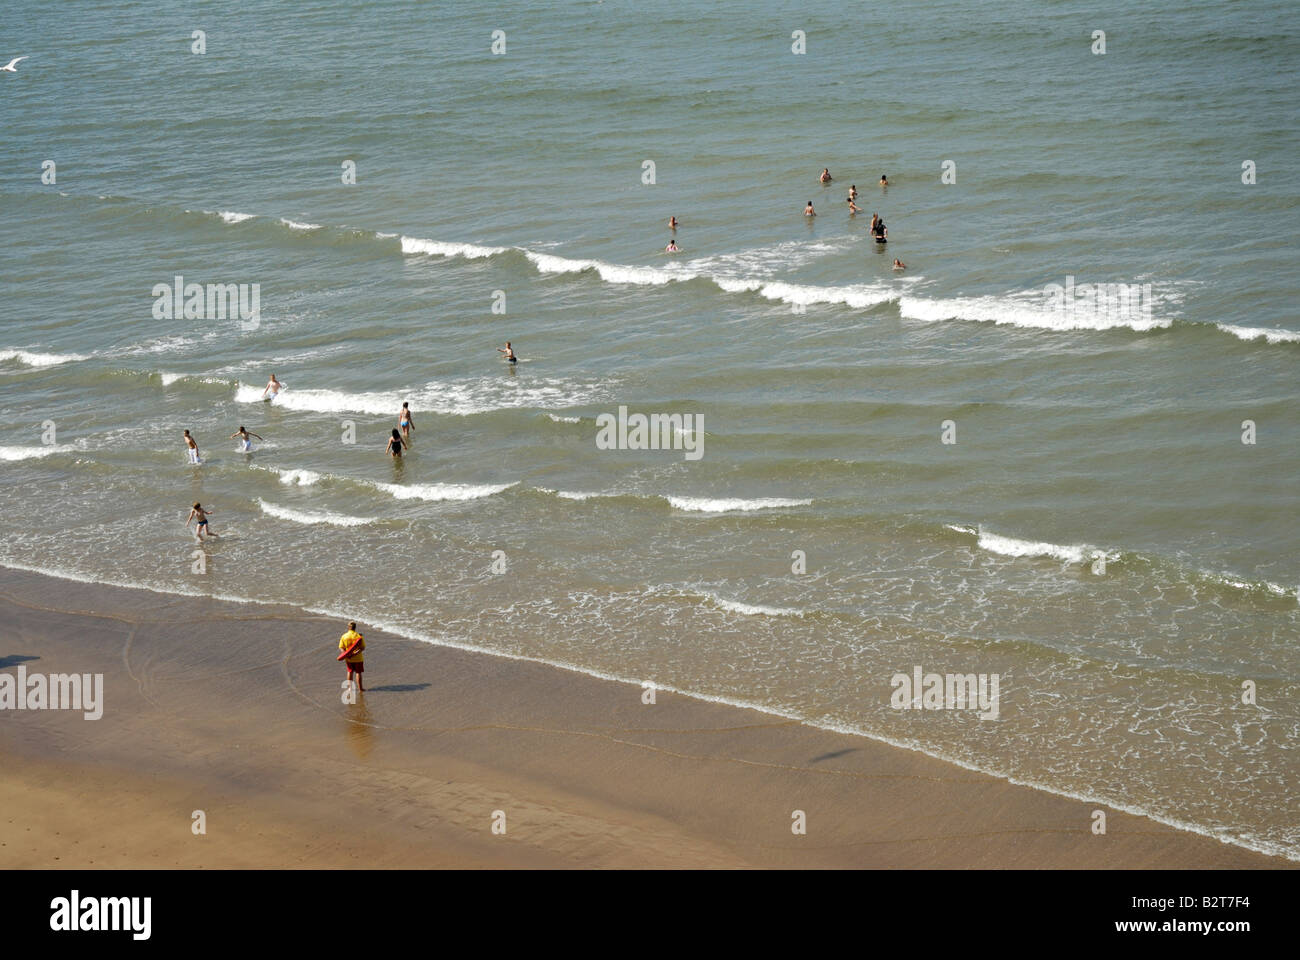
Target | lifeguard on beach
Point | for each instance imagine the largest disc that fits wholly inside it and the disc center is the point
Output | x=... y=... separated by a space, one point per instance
x=355 y=660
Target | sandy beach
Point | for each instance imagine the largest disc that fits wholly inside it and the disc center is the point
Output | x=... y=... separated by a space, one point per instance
x=235 y=710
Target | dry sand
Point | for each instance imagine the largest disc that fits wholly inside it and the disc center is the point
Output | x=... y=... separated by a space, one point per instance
x=235 y=710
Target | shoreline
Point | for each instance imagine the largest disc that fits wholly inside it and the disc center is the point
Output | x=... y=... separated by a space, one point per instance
x=584 y=772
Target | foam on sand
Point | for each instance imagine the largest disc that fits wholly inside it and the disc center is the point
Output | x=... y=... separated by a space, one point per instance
x=313 y=516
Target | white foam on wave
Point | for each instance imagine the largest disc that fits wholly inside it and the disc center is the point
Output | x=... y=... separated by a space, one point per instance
x=573 y=494
x=457 y=398
x=313 y=516
x=612 y=272
x=438 y=248
x=231 y=216
x=32 y=358
x=1029 y=310
x=169 y=378
x=768 y=260
x=564 y=419
x=295 y=225
x=1268 y=334
x=1267 y=586
x=299 y=478
x=750 y=609
x=34 y=453
x=857 y=296
x=166 y=344
x=1017 y=547
x=441 y=491
x=727 y=505
x=320 y=401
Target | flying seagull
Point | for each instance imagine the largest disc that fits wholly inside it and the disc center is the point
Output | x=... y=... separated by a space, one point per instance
x=12 y=65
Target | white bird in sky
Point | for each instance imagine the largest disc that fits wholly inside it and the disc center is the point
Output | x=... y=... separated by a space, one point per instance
x=12 y=65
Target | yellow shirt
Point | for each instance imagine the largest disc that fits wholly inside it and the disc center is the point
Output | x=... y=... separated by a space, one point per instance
x=347 y=640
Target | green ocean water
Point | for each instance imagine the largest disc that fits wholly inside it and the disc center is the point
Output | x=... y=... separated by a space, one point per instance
x=1098 y=535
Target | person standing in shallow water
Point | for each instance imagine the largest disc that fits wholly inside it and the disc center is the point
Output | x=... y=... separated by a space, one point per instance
x=245 y=439
x=203 y=527
x=405 y=422
x=356 y=662
x=395 y=445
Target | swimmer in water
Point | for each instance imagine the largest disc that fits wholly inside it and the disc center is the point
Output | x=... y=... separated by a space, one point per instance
x=672 y=247
x=672 y=223
x=395 y=445
x=826 y=175
x=191 y=447
x=405 y=422
x=273 y=388
x=509 y=352
x=853 y=207
x=875 y=219
x=202 y=515
x=808 y=211
x=884 y=180
x=881 y=231
x=899 y=264
x=853 y=191
x=245 y=444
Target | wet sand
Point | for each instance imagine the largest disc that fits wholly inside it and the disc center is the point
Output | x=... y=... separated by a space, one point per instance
x=235 y=710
